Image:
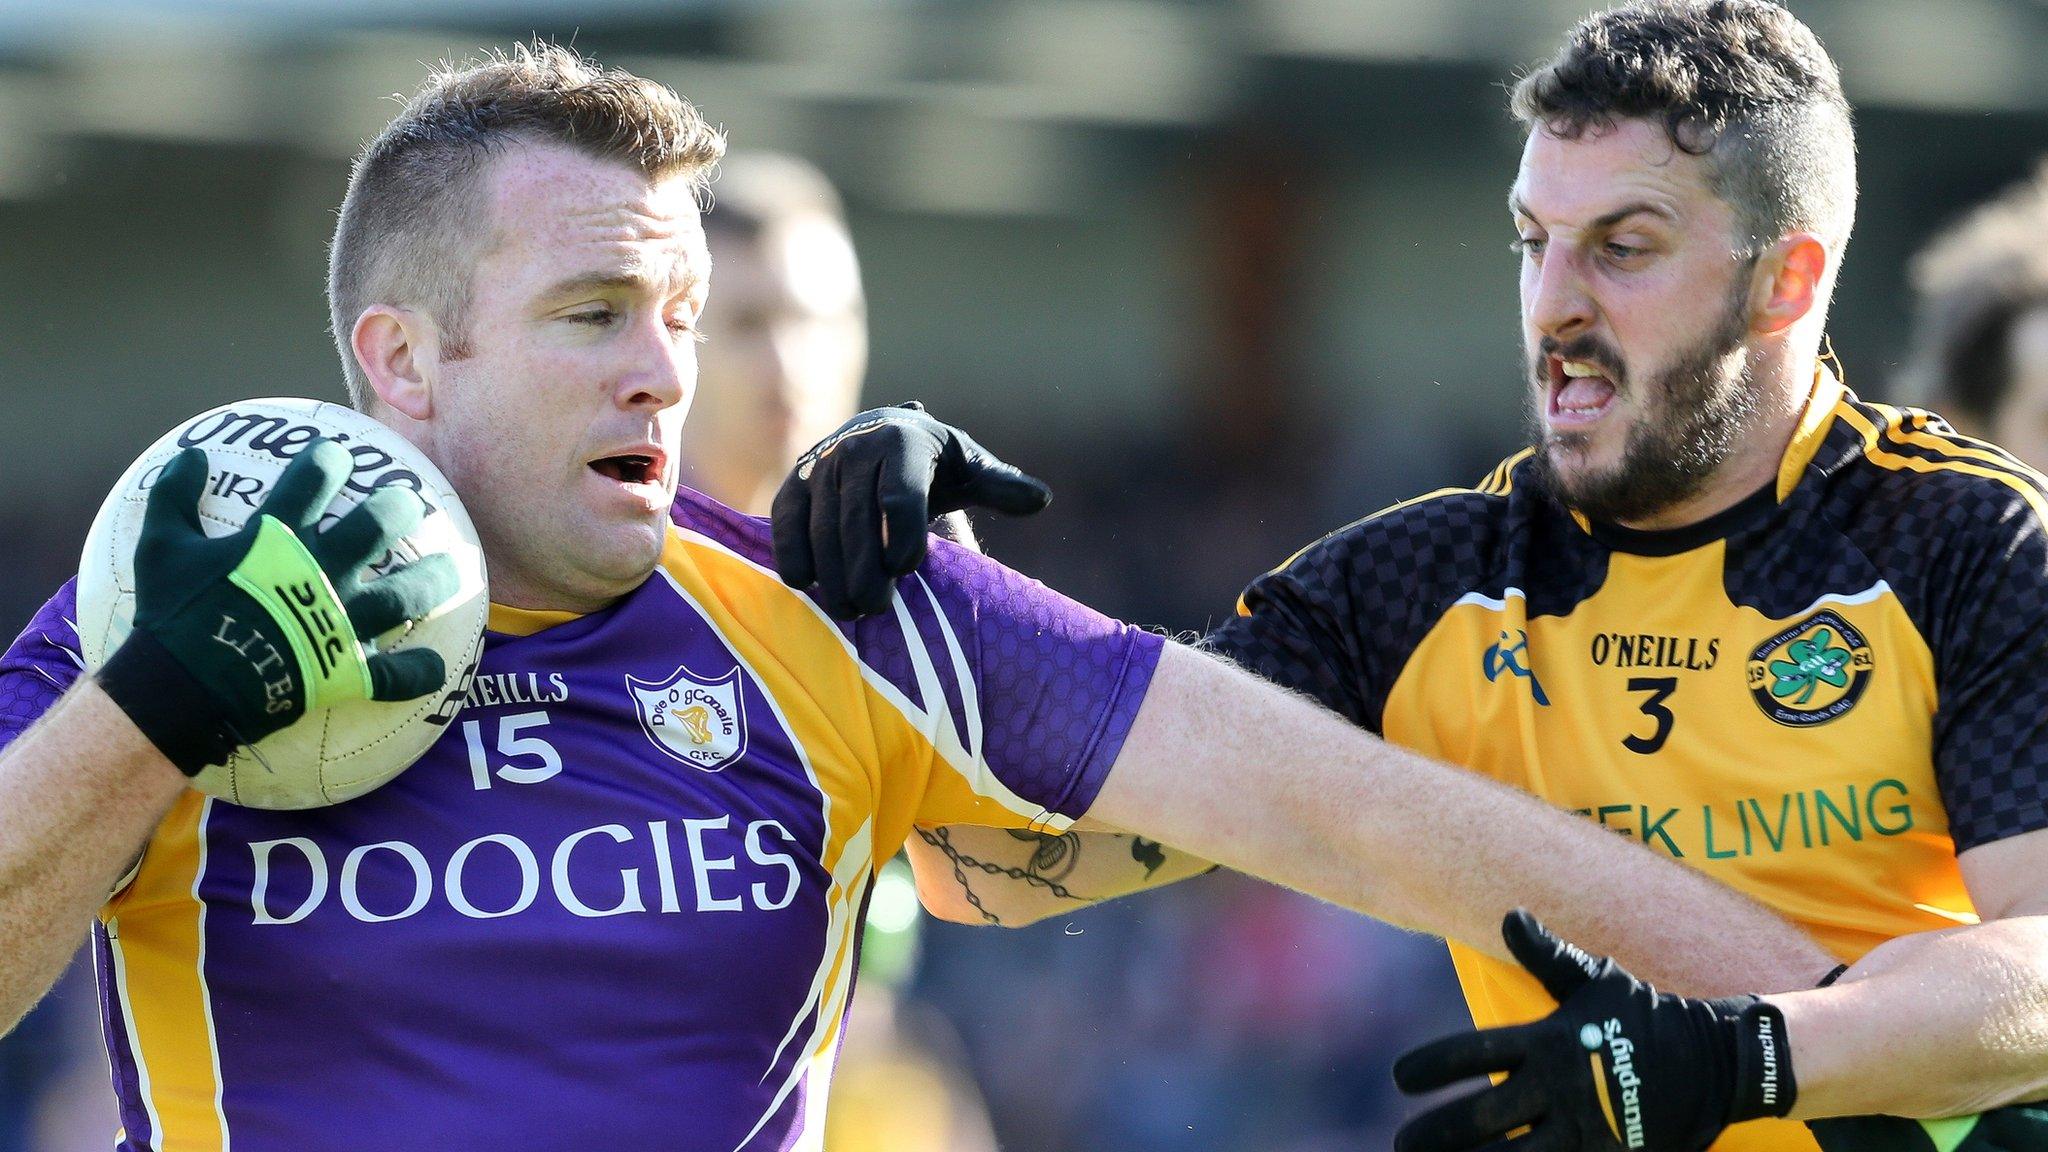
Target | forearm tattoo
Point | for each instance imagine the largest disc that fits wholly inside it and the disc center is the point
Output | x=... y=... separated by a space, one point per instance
x=1149 y=853
x=1053 y=860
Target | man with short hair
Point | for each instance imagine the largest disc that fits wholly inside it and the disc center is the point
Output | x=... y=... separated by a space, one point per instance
x=576 y=923
x=1721 y=605
x=787 y=336
x=1980 y=331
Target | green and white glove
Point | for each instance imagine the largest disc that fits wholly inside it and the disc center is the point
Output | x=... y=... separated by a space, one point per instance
x=2015 y=1128
x=238 y=637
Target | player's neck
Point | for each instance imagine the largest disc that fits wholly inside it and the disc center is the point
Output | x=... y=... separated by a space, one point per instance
x=510 y=590
x=1784 y=386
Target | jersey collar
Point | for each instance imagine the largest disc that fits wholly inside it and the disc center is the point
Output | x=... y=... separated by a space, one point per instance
x=509 y=621
x=1672 y=541
x=1828 y=391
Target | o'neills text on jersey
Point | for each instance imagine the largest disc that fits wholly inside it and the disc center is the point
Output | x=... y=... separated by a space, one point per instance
x=1648 y=650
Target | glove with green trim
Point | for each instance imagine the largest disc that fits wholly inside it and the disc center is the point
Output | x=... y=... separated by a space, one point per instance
x=240 y=636
x=2015 y=1128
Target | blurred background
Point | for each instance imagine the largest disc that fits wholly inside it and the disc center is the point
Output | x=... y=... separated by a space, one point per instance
x=1228 y=273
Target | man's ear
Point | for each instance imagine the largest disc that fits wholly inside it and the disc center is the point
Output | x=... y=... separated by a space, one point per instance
x=398 y=350
x=1786 y=283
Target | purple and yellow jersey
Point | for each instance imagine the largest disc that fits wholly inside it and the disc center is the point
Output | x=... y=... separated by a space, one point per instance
x=616 y=906
x=1818 y=697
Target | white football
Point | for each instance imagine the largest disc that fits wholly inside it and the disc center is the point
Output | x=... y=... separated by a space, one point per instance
x=334 y=753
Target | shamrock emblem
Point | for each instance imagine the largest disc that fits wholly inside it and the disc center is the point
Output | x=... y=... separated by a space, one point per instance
x=1815 y=661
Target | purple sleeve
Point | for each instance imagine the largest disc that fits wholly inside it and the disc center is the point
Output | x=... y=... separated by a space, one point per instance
x=1050 y=686
x=40 y=664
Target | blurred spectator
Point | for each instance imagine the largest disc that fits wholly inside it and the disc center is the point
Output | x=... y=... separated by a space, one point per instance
x=786 y=337
x=1240 y=1016
x=785 y=347
x=1980 y=354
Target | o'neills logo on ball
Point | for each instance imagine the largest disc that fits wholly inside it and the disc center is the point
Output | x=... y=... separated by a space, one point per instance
x=285 y=435
x=1810 y=672
x=702 y=723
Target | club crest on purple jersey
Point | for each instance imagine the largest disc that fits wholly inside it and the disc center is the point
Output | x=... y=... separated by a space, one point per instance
x=701 y=722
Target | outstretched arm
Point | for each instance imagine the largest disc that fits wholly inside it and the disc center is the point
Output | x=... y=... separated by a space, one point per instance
x=1961 y=1015
x=1266 y=782
x=1281 y=788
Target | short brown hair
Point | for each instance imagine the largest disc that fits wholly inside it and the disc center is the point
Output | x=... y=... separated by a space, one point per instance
x=1740 y=82
x=413 y=224
x=1972 y=284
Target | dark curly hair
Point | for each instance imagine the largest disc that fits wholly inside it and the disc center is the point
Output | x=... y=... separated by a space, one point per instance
x=1972 y=284
x=1740 y=82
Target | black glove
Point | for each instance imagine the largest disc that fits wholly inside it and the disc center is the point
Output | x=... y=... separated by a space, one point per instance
x=1618 y=1065
x=852 y=515
x=2015 y=1128
x=238 y=637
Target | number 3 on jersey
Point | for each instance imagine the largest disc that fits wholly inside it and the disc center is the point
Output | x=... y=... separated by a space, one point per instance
x=511 y=743
x=1660 y=689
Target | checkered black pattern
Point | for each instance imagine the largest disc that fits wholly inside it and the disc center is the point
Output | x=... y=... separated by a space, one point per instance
x=1966 y=553
x=1967 y=557
x=1341 y=619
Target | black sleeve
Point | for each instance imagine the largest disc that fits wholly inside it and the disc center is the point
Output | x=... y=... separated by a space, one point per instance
x=1297 y=627
x=1340 y=619
x=1990 y=640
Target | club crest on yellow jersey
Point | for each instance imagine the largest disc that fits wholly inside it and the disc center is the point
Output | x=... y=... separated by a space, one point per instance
x=1810 y=672
x=697 y=721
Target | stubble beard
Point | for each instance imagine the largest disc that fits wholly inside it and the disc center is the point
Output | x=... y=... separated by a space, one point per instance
x=1703 y=408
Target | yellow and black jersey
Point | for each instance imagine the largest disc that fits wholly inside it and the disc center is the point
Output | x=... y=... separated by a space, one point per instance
x=1819 y=696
